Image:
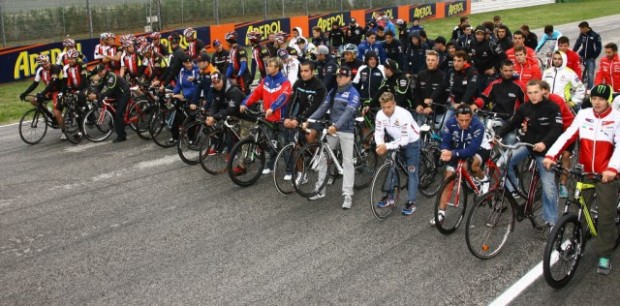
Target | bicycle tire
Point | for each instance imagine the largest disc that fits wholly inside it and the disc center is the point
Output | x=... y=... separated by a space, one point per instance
x=309 y=158
x=72 y=126
x=159 y=128
x=98 y=125
x=282 y=166
x=455 y=210
x=142 y=118
x=214 y=153
x=132 y=115
x=429 y=182
x=32 y=126
x=489 y=224
x=380 y=189
x=249 y=155
x=365 y=163
x=565 y=245
x=191 y=139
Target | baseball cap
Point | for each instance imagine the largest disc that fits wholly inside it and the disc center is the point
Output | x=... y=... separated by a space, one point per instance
x=352 y=20
x=481 y=28
x=301 y=40
x=204 y=57
x=344 y=71
x=217 y=43
x=322 y=49
x=391 y=64
x=282 y=54
x=602 y=91
x=186 y=59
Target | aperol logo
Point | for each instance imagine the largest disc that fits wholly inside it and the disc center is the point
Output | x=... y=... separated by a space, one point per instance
x=423 y=11
x=455 y=8
x=26 y=63
x=390 y=12
x=325 y=21
x=263 y=27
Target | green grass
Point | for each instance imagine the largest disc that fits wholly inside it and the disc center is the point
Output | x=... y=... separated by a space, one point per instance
x=11 y=109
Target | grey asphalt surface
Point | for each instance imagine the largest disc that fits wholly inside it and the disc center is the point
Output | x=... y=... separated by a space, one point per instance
x=129 y=223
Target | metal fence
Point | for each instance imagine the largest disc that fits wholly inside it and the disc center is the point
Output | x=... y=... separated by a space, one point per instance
x=31 y=21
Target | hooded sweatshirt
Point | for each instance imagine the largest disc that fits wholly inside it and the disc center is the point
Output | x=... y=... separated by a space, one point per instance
x=565 y=82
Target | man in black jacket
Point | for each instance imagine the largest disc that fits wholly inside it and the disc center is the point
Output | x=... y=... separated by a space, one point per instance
x=175 y=62
x=397 y=83
x=113 y=86
x=369 y=77
x=226 y=99
x=326 y=67
x=486 y=56
x=427 y=82
x=461 y=84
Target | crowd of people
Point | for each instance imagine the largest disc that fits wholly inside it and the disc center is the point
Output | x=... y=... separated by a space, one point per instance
x=393 y=69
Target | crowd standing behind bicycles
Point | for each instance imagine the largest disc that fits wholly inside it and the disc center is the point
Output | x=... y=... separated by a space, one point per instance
x=535 y=87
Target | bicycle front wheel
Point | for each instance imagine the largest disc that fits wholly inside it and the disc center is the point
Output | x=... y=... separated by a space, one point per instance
x=385 y=187
x=365 y=162
x=429 y=171
x=283 y=169
x=215 y=152
x=454 y=197
x=310 y=159
x=32 y=126
x=489 y=224
x=71 y=128
x=563 y=251
x=140 y=117
x=246 y=162
x=160 y=128
x=98 y=125
x=191 y=139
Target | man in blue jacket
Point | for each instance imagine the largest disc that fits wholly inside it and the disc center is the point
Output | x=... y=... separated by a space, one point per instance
x=186 y=91
x=371 y=44
x=589 y=47
x=342 y=103
x=463 y=138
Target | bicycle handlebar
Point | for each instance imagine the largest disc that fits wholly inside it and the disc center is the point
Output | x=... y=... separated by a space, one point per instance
x=514 y=146
x=578 y=172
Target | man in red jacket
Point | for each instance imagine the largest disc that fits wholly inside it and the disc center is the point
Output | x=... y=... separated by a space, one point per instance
x=609 y=71
x=525 y=67
x=572 y=58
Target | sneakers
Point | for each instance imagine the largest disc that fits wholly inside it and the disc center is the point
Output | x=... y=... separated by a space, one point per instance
x=515 y=195
x=604 y=266
x=212 y=152
x=288 y=177
x=441 y=215
x=63 y=136
x=266 y=171
x=563 y=192
x=239 y=171
x=301 y=179
x=348 y=200
x=409 y=209
x=171 y=141
x=386 y=202
x=330 y=181
x=119 y=139
x=317 y=196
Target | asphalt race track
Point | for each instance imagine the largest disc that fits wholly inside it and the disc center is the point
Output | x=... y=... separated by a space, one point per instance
x=129 y=223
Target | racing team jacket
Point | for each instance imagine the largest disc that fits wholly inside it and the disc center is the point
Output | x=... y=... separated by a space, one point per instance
x=368 y=80
x=326 y=72
x=189 y=88
x=400 y=126
x=274 y=91
x=609 y=72
x=588 y=45
x=486 y=54
x=462 y=85
x=599 y=140
x=399 y=85
x=426 y=83
x=377 y=47
x=565 y=111
x=528 y=71
x=462 y=143
x=342 y=104
x=529 y=54
x=544 y=123
x=505 y=95
x=564 y=81
x=226 y=101
x=307 y=96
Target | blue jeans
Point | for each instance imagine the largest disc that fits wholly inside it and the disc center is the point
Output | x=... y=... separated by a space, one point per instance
x=547 y=179
x=411 y=153
x=590 y=64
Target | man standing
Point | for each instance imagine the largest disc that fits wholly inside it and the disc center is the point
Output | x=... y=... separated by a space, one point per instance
x=588 y=45
x=113 y=86
x=609 y=68
x=564 y=81
x=461 y=83
x=238 y=71
x=486 y=56
x=572 y=58
x=326 y=67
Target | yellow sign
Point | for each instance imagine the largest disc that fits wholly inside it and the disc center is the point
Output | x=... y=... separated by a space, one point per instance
x=326 y=23
x=423 y=11
x=26 y=62
x=456 y=8
x=265 y=30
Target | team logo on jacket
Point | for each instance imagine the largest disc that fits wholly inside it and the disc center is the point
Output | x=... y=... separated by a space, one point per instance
x=345 y=94
x=403 y=83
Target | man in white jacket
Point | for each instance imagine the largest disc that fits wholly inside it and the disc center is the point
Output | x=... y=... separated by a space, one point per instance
x=291 y=66
x=564 y=81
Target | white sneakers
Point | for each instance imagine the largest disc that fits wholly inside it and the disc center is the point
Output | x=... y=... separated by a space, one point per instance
x=348 y=200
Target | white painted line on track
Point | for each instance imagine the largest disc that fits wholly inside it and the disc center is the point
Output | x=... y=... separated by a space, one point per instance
x=157 y=162
x=522 y=284
x=83 y=147
x=7 y=125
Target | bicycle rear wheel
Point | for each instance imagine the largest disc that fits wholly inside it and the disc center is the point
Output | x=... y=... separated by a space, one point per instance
x=284 y=165
x=32 y=126
x=214 y=152
x=98 y=125
x=142 y=118
x=72 y=126
x=385 y=185
x=246 y=163
x=309 y=159
x=456 y=203
x=365 y=162
x=160 y=127
x=489 y=224
x=563 y=251
x=429 y=171
x=191 y=139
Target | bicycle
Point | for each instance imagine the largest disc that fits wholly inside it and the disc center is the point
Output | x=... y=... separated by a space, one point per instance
x=566 y=243
x=192 y=137
x=284 y=165
x=218 y=144
x=491 y=221
x=34 y=123
x=247 y=157
x=312 y=155
x=162 y=121
x=386 y=183
x=98 y=123
x=73 y=117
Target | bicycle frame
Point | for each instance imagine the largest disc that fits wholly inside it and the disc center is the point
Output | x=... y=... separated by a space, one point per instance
x=583 y=208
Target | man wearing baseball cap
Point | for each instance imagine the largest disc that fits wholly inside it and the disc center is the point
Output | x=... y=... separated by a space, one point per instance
x=598 y=131
x=291 y=66
x=221 y=56
x=326 y=67
x=342 y=104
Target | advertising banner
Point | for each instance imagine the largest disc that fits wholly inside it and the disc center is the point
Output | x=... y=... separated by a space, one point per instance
x=423 y=11
x=265 y=27
x=455 y=8
x=325 y=21
x=391 y=12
